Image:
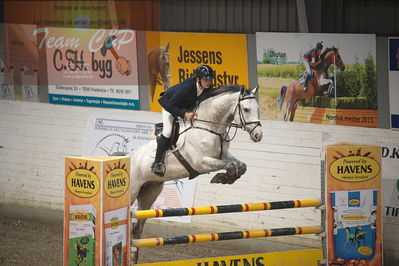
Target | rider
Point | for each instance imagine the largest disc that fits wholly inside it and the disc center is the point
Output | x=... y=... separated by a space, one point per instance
x=178 y=100
x=312 y=60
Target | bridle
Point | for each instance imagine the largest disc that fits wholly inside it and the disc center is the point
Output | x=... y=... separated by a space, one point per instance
x=241 y=115
x=243 y=123
x=165 y=78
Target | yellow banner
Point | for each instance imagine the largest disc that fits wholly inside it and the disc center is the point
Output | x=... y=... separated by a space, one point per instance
x=173 y=57
x=289 y=258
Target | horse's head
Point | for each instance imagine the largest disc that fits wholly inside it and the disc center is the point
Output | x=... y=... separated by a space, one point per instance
x=335 y=58
x=164 y=66
x=246 y=114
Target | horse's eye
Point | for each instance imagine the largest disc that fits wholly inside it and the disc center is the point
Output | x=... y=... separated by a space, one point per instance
x=245 y=109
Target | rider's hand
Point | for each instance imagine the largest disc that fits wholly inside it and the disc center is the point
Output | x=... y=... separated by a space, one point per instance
x=190 y=115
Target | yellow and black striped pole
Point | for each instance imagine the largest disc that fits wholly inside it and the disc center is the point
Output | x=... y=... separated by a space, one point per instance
x=161 y=241
x=144 y=214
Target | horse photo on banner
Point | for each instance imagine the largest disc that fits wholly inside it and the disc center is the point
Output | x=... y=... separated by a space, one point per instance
x=318 y=78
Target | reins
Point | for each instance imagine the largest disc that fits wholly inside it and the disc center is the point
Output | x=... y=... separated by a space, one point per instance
x=223 y=136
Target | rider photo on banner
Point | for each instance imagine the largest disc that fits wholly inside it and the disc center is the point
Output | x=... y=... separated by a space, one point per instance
x=318 y=78
x=173 y=57
x=90 y=67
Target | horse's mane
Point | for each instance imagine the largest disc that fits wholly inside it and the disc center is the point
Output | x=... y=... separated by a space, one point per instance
x=324 y=53
x=219 y=91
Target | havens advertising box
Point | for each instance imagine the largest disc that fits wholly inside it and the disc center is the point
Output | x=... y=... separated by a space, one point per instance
x=173 y=57
x=353 y=196
x=96 y=212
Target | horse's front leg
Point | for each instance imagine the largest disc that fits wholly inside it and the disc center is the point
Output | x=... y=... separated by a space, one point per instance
x=287 y=111
x=239 y=168
x=210 y=164
x=324 y=81
x=234 y=168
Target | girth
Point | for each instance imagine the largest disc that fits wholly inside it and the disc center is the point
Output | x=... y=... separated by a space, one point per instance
x=193 y=173
x=175 y=135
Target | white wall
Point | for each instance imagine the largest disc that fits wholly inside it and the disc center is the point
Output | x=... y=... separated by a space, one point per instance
x=36 y=137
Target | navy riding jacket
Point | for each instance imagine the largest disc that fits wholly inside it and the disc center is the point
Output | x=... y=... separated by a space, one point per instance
x=180 y=98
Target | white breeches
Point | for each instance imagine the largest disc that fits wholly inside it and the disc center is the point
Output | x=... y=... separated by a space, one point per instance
x=167 y=120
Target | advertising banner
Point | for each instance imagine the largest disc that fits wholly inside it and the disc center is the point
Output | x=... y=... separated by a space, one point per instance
x=21 y=50
x=119 y=136
x=138 y=15
x=29 y=87
x=7 y=86
x=353 y=209
x=393 y=76
x=335 y=84
x=19 y=63
x=173 y=57
x=390 y=207
x=309 y=257
x=91 y=67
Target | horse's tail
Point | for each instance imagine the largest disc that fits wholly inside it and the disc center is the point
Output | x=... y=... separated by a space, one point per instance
x=282 y=96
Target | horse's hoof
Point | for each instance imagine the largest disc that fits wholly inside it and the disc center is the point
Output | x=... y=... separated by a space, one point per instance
x=232 y=179
x=223 y=178
x=220 y=178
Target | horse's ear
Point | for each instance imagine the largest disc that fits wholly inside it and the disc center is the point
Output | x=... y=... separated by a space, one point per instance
x=167 y=47
x=242 y=90
x=255 y=90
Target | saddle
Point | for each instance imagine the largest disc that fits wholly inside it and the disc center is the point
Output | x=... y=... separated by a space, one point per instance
x=175 y=132
x=172 y=146
x=304 y=77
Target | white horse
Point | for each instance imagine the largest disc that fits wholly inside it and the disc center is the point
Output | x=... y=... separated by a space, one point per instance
x=203 y=143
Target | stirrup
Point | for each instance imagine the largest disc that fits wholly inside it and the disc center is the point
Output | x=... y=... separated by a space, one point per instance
x=159 y=169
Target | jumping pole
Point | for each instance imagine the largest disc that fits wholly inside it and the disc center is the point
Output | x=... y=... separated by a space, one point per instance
x=162 y=241
x=276 y=205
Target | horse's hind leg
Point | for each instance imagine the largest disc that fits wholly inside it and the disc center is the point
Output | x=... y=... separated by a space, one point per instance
x=149 y=192
x=287 y=111
x=293 y=109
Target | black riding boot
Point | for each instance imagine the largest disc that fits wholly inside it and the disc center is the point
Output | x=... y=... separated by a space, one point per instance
x=158 y=167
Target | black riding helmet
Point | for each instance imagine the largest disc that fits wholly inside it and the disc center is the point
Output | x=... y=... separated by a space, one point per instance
x=319 y=45
x=204 y=72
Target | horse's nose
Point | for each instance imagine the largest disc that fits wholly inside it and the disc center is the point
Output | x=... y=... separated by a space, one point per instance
x=258 y=137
